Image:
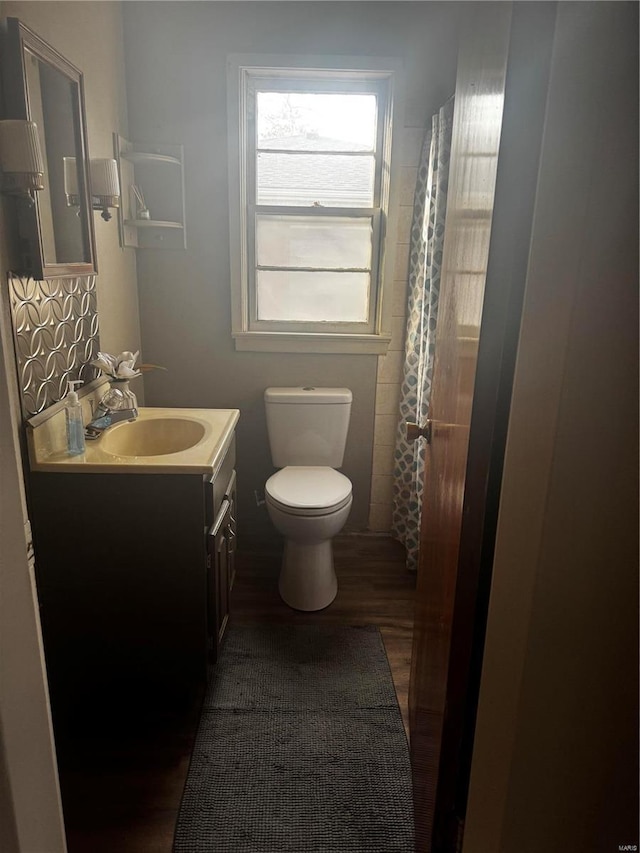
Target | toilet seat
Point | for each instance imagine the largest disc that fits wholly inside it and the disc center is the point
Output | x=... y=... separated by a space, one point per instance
x=308 y=490
x=307 y=513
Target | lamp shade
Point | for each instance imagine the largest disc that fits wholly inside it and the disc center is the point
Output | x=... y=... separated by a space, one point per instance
x=104 y=177
x=20 y=147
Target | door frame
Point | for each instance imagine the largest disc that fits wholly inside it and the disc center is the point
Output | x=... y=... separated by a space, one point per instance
x=30 y=800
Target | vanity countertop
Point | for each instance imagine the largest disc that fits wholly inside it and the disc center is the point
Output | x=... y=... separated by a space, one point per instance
x=213 y=428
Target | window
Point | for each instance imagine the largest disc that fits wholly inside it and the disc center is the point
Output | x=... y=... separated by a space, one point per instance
x=309 y=182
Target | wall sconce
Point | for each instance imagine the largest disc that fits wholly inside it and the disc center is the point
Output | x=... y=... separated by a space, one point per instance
x=20 y=158
x=105 y=186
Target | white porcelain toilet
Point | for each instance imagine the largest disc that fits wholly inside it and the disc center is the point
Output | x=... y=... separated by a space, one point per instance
x=308 y=500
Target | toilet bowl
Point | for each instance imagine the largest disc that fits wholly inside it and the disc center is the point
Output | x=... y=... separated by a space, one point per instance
x=308 y=505
x=307 y=499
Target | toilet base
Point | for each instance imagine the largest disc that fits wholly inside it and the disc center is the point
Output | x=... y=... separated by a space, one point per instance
x=307 y=578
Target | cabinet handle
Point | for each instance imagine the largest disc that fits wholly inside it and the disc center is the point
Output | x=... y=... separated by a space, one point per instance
x=220 y=519
x=214 y=531
x=230 y=485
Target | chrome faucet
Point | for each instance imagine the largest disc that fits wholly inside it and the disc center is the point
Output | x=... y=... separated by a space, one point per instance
x=116 y=406
x=105 y=418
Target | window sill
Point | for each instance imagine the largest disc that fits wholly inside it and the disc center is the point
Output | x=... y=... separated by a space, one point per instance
x=314 y=343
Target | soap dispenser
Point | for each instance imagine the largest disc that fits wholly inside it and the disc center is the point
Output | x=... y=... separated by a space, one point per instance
x=75 y=427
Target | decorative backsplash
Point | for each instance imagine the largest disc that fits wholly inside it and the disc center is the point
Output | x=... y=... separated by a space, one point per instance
x=55 y=328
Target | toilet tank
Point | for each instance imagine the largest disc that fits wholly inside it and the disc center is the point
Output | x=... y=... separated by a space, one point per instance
x=307 y=426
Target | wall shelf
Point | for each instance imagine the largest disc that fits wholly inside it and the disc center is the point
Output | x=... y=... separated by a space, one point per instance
x=149 y=157
x=158 y=171
x=152 y=223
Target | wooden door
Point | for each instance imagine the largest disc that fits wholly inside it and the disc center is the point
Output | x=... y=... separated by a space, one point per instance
x=500 y=91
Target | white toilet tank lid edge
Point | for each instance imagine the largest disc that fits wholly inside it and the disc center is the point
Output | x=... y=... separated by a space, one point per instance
x=310 y=394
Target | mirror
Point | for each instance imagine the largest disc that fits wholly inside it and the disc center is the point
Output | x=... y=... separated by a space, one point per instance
x=40 y=85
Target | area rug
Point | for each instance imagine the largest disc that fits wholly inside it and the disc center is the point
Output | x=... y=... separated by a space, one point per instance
x=300 y=748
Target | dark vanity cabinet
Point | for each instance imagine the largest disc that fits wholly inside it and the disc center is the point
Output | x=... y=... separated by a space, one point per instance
x=134 y=573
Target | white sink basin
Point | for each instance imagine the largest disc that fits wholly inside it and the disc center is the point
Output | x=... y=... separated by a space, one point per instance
x=160 y=441
x=154 y=437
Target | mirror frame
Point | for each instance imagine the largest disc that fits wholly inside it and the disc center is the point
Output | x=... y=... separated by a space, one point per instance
x=16 y=38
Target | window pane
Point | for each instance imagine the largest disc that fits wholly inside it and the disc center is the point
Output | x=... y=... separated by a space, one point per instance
x=316 y=122
x=314 y=297
x=311 y=241
x=330 y=180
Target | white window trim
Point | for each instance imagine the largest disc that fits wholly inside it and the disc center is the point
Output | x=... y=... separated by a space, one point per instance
x=246 y=339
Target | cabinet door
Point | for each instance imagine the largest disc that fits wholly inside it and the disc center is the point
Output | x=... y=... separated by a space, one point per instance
x=218 y=568
x=230 y=495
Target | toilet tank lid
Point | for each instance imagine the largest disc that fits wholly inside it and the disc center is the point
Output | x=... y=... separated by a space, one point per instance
x=308 y=394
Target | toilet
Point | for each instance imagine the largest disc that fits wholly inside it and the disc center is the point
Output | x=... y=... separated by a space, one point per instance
x=307 y=499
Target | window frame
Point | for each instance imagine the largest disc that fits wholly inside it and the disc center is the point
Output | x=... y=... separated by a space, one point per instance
x=246 y=76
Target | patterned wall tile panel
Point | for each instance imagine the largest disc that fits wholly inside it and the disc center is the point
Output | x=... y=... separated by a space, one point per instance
x=55 y=328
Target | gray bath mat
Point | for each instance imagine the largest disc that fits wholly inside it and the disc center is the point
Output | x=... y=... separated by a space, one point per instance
x=300 y=748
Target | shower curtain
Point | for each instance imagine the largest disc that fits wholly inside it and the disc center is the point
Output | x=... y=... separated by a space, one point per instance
x=425 y=259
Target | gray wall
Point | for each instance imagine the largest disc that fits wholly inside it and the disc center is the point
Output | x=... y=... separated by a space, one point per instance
x=90 y=36
x=176 y=89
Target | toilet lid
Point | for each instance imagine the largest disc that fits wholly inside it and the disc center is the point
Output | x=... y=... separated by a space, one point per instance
x=307 y=487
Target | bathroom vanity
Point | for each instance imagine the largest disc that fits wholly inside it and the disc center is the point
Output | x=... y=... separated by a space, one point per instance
x=135 y=558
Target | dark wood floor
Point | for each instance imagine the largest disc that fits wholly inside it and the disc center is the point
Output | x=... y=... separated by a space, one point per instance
x=121 y=790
